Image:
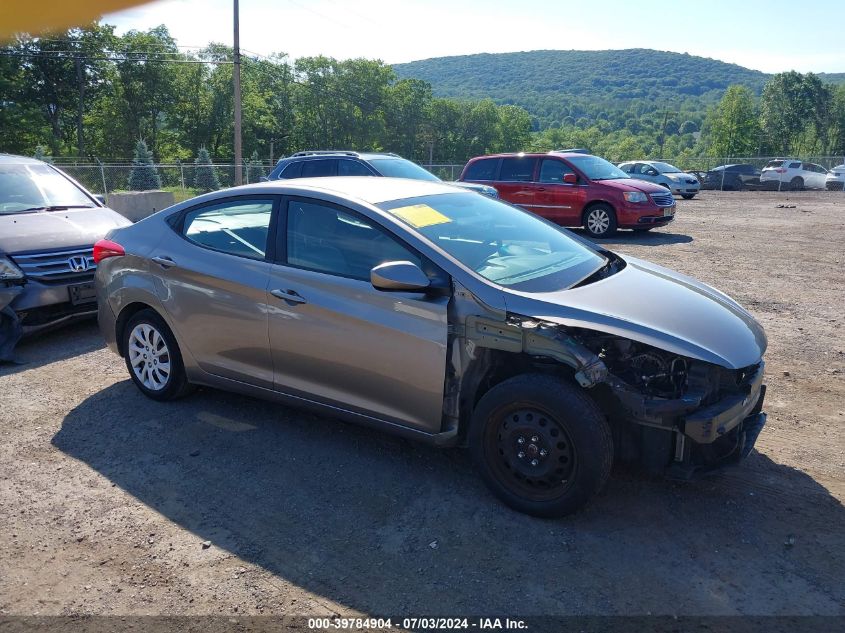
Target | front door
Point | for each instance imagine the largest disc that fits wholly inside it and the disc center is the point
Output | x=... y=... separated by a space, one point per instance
x=336 y=339
x=211 y=277
x=559 y=201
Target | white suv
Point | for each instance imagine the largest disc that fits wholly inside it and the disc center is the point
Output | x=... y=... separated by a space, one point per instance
x=793 y=175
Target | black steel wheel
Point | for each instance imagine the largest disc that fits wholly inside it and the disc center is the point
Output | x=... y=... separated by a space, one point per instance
x=541 y=444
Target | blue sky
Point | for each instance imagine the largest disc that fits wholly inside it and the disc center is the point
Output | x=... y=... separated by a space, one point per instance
x=771 y=36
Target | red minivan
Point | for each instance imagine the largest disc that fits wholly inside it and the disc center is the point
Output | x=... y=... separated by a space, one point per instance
x=574 y=189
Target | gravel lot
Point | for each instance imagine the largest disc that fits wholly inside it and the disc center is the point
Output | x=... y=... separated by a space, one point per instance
x=219 y=504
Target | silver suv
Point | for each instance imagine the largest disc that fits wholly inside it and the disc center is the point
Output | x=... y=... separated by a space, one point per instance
x=48 y=226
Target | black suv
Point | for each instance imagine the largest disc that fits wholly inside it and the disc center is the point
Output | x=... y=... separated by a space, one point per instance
x=315 y=164
x=732 y=177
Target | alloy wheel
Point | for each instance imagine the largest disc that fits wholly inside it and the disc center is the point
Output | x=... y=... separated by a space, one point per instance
x=149 y=357
x=598 y=221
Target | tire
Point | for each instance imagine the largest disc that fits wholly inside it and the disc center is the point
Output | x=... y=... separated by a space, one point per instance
x=603 y=220
x=796 y=184
x=529 y=432
x=738 y=185
x=688 y=196
x=149 y=347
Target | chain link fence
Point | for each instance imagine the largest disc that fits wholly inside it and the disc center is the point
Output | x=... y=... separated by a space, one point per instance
x=186 y=180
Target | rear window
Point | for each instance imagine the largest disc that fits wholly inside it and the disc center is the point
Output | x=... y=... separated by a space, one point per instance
x=517 y=169
x=773 y=163
x=294 y=170
x=482 y=170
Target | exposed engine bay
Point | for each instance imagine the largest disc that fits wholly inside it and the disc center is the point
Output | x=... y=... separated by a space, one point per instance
x=667 y=410
x=654 y=372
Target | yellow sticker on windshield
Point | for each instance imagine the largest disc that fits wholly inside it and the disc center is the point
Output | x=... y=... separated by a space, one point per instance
x=420 y=215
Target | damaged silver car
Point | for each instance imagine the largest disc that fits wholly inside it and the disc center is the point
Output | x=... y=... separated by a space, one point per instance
x=444 y=316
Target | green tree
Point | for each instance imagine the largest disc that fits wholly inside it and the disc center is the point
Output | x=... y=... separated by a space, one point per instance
x=732 y=126
x=41 y=154
x=784 y=112
x=205 y=178
x=144 y=175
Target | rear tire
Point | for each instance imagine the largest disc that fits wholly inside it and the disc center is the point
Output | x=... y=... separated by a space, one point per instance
x=600 y=220
x=541 y=445
x=153 y=358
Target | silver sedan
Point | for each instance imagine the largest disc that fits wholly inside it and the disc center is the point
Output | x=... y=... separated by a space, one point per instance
x=442 y=315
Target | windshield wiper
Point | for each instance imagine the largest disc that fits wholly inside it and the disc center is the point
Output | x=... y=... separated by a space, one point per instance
x=58 y=207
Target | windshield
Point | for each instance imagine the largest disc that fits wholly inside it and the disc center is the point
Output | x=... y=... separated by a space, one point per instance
x=666 y=168
x=596 y=168
x=502 y=243
x=26 y=187
x=401 y=168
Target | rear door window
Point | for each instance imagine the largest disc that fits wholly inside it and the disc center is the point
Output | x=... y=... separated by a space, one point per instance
x=352 y=168
x=319 y=168
x=237 y=227
x=517 y=169
x=795 y=165
x=482 y=170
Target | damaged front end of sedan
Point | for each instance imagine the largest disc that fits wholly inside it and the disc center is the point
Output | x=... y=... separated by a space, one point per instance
x=675 y=415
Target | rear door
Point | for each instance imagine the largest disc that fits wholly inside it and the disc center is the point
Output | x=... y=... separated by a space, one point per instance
x=211 y=276
x=515 y=182
x=559 y=201
x=337 y=340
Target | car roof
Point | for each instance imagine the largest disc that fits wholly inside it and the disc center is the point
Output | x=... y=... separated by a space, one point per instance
x=362 y=188
x=317 y=154
x=534 y=155
x=19 y=160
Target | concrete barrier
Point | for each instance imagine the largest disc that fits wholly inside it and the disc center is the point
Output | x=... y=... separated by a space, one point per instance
x=136 y=205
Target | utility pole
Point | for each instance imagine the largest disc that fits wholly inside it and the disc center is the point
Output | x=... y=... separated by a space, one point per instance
x=236 y=72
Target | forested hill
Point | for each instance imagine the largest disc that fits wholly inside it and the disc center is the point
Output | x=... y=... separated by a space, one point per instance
x=554 y=85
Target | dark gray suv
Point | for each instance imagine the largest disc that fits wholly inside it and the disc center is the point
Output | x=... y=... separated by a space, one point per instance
x=315 y=164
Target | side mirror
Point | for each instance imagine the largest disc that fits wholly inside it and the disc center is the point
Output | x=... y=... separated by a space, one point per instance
x=570 y=179
x=399 y=277
x=100 y=198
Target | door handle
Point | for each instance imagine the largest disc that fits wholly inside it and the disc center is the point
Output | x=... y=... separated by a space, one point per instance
x=287 y=295
x=164 y=262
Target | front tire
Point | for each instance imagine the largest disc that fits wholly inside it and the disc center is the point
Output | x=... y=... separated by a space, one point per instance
x=541 y=445
x=153 y=357
x=796 y=184
x=600 y=221
x=688 y=196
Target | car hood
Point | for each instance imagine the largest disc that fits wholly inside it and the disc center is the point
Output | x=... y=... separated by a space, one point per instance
x=53 y=230
x=656 y=306
x=633 y=184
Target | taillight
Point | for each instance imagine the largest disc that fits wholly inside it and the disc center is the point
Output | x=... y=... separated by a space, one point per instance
x=106 y=248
